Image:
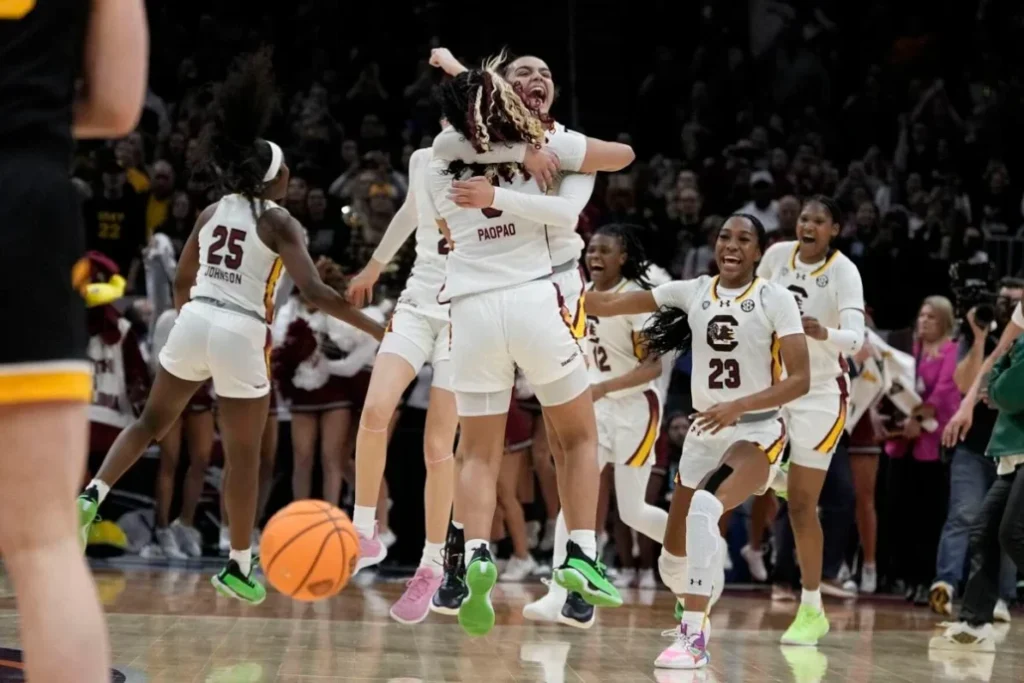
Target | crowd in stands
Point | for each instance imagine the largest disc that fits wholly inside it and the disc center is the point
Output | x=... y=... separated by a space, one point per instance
x=910 y=125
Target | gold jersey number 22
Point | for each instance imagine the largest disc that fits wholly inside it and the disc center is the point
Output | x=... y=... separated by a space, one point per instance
x=15 y=9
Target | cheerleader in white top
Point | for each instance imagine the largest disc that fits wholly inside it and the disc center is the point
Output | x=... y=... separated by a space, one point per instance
x=742 y=330
x=828 y=290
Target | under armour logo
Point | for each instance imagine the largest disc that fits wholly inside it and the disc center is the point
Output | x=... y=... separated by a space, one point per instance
x=725 y=303
x=698 y=582
x=801 y=276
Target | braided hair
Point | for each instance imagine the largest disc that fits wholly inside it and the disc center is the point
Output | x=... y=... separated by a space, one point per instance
x=669 y=331
x=637 y=263
x=484 y=108
x=231 y=144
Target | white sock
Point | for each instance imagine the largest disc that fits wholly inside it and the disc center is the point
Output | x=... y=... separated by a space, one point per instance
x=811 y=598
x=102 y=488
x=243 y=558
x=458 y=525
x=471 y=546
x=432 y=557
x=561 y=538
x=694 y=621
x=586 y=539
x=364 y=520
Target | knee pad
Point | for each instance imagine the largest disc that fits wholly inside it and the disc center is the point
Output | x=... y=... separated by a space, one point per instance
x=673 y=571
x=716 y=478
x=564 y=389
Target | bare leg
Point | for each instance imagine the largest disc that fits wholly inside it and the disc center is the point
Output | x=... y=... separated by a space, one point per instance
x=604 y=495
x=576 y=430
x=865 y=473
x=305 y=427
x=199 y=428
x=804 y=488
x=41 y=469
x=543 y=465
x=438 y=441
x=241 y=422
x=334 y=431
x=508 y=501
x=481 y=447
x=268 y=458
x=170 y=451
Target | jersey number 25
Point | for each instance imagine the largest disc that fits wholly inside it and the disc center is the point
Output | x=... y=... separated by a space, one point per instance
x=233 y=240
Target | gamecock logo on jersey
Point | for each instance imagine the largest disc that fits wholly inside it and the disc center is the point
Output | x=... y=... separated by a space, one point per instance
x=722 y=333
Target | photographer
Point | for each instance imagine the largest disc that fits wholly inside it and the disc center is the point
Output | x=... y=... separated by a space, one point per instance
x=1000 y=524
x=971 y=473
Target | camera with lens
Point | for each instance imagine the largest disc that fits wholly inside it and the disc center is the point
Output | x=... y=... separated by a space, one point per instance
x=974 y=285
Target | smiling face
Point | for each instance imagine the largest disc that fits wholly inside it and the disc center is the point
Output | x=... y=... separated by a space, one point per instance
x=605 y=257
x=737 y=251
x=533 y=78
x=815 y=229
x=930 y=326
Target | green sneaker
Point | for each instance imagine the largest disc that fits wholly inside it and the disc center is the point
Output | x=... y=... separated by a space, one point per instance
x=585 y=576
x=679 y=609
x=476 y=614
x=781 y=481
x=232 y=583
x=88 y=505
x=808 y=628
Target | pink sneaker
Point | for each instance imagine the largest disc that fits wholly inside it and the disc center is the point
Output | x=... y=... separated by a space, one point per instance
x=371 y=551
x=689 y=651
x=414 y=605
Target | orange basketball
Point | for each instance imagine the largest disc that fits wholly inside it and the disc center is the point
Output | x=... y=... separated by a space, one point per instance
x=309 y=550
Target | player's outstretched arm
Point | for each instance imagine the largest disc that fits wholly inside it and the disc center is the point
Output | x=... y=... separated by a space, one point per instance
x=286 y=238
x=604 y=304
x=114 y=66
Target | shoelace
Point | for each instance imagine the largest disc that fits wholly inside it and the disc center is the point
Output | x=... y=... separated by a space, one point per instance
x=417 y=586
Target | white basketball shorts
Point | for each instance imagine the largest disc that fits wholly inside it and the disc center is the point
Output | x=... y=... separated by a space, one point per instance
x=627 y=428
x=703 y=451
x=232 y=348
x=419 y=339
x=816 y=422
x=524 y=326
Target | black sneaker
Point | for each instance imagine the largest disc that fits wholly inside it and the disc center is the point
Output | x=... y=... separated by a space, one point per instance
x=576 y=612
x=449 y=596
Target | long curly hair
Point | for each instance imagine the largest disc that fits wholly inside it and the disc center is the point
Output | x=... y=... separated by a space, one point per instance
x=231 y=144
x=482 y=106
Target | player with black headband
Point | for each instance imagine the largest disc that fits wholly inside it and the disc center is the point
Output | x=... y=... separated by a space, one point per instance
x=742 y=329
x=828 y=289
x=224 y=291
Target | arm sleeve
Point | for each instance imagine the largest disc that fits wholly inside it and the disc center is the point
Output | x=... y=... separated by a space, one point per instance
x=677 y=294
x=850 y=287
x=450 y=145
x=849 y=338
x=562 y=210
x=403 y=223
x=782 y=311
x=571 y=148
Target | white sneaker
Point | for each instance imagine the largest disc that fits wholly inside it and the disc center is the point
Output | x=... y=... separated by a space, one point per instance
x=626 y=578
x=962 y=636
x=224 y=541
x=190 y=541
x=844 y=573
x=837 y=590
x=518 y=568
x=533 y=533
x=169 y=544
x=755 y=563
x=1001 y=613
x=388 y=538
x=727 y=561
x=869 y=579
x=152 y=551
x=549 y=607
x=648 y=580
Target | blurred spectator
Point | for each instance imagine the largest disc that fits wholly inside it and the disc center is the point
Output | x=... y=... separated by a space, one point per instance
x=763 y=204
x=180 y=220
x=158 y=202
x=115 y=221
x=918 y=485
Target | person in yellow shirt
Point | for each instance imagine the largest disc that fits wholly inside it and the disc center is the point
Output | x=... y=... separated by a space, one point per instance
x=158 y=202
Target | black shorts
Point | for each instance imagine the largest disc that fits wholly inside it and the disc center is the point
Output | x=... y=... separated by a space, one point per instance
x=43 y=341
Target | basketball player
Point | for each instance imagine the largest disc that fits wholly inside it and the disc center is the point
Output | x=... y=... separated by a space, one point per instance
x=532 y=82
x=45 y=377
x=828 y=290
x=506 y=313
x=224 y=291
x=743 y=328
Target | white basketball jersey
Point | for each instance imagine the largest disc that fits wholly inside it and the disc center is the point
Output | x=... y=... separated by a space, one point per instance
x=821 y=291
x=566 y=246
x=735 y=335
x=427 y=276
x=110 y=402
x=235 y=266
x=613 y=343
x=491 y=250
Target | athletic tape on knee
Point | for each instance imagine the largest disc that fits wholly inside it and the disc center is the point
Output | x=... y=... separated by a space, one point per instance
x=702 y=540
x=673 y=572
x=716 y=478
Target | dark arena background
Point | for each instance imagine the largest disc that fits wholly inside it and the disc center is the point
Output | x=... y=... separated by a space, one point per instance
x=908 y=114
